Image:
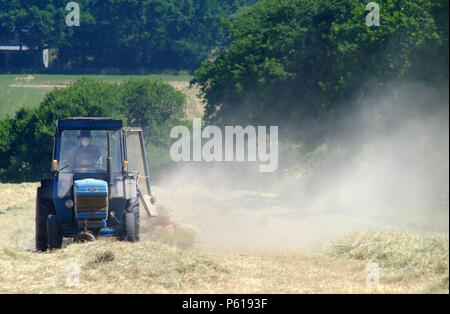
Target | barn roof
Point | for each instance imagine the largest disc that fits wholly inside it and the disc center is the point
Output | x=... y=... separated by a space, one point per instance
x=14 y=48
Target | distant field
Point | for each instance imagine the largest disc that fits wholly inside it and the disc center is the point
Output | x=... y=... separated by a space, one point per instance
x=18 y=90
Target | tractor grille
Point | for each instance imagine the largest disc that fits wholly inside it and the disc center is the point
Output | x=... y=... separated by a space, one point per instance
x=91 y=203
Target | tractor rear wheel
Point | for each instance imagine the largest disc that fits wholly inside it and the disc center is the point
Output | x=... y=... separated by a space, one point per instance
x=55 y=238
x=132 y=232
x=42 y=212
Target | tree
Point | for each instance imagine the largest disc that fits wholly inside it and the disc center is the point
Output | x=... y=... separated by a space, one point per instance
x=125 y=34
x=151 y=105
x=296 y=62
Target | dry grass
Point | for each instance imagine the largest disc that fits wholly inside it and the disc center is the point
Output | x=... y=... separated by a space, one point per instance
x=409 y=263
x=404 y=258
x=107 y=267
x=17 y=212
x=164 y=229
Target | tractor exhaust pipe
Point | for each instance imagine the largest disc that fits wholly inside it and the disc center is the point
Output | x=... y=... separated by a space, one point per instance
x=109 y=164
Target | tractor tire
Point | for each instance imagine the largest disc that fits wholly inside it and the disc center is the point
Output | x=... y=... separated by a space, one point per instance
x=132 y=232
x=42 y=212
x=55 y=237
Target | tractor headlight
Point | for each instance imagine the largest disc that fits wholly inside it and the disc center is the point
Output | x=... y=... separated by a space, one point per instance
x=69 y=203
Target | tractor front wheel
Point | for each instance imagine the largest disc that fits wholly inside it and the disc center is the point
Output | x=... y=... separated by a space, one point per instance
x=41 y=225
x=42 y=212
x=132 y=232
x=55 y=238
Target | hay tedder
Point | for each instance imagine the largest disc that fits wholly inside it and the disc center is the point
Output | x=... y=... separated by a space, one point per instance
x=99 y=181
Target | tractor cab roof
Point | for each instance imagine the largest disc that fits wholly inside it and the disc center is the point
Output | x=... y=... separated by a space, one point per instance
x=89 y=124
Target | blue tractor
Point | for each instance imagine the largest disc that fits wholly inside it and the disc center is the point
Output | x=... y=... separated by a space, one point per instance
x=98 y=183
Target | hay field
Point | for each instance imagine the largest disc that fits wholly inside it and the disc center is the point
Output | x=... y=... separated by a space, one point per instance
x=164 y=262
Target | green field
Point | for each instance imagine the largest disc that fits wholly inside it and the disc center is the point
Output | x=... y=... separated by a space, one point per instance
x=30 y=89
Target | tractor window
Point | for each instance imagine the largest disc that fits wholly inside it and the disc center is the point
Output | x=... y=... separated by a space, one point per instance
x=86 y=150
x=136 y=157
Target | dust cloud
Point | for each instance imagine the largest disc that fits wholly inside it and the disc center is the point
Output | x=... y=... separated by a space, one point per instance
x=386 y=167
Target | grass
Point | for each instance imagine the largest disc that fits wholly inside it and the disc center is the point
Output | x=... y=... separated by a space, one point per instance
x=403 y=257
x=13 y=98
x=165 y=261
x=149 y=267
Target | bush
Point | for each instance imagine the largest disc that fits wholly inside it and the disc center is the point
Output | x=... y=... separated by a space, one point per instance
x=155 y=107
x=151 y=105
x=26 y=141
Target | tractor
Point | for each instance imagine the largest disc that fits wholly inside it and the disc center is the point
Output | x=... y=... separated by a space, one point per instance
x=99 y=181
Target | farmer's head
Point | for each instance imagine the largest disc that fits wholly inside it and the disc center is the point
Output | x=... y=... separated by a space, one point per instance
x=84 y=138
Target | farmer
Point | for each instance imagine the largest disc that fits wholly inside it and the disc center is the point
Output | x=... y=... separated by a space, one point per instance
x=87 y=154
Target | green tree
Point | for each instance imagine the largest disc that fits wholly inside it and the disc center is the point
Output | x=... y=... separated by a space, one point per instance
x=156 y=107
x=295 y=62
x=124 y=34
x=151 y=104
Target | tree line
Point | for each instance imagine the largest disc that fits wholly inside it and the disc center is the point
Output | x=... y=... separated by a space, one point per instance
x=302 y=62
x=128 y=35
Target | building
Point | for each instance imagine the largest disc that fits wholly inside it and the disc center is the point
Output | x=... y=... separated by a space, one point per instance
x=16 y=54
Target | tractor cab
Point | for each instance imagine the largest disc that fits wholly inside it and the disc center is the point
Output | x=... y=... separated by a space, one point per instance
x=99 y=181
